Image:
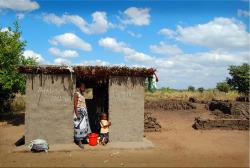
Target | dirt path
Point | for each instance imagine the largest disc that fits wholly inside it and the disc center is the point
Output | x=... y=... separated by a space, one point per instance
x=177 y=145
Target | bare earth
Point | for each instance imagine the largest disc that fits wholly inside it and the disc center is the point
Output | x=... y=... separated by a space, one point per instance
x=178 y=145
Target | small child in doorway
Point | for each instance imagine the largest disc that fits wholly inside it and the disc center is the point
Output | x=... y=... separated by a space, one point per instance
x=104 y=134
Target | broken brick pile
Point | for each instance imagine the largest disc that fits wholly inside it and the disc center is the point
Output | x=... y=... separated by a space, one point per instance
x=226 y=115
x=225 y=123
x=150 y=123
x=169 y=105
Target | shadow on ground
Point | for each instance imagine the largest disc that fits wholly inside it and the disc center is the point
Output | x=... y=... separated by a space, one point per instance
x=20 y=141
x=14 y=119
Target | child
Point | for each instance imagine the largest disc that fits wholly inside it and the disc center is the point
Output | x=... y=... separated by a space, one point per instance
x=104 y=134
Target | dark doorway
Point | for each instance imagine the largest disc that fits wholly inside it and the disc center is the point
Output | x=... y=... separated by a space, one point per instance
x=99 y=102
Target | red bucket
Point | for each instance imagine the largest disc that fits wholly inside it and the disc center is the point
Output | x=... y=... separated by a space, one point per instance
x=93 y=139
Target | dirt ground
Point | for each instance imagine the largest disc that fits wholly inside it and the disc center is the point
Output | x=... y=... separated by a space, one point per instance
x=178 y=145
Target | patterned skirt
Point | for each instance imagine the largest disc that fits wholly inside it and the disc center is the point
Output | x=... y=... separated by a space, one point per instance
x=81 y=126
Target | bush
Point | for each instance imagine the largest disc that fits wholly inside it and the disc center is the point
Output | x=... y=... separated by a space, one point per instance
x=240 y=78
x=191 y=88
x=201 y=89
x=223 y=87
x=165 y=89
x=11 y=57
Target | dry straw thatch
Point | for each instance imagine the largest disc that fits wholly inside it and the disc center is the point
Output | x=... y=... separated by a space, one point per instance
x=103 y=71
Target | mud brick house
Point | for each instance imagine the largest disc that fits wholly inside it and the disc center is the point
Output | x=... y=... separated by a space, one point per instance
x=118 y=91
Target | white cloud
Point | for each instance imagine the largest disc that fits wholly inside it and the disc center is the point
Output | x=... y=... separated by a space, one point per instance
x=19 y=5
x=70 y=40
x=214 y=58
x=136 y=16
x=62 y=61
x=222 y=58
x=244 y=13
x=166 y=49
x=99 y=24
x=7 y=30
x=199 y=69
x=52 y=18
x=96 y=62
x=4 y=29
x=220 y=33
x=112 y=44
x=181 y=77
x=226 y=41
x=163 y=63
x=64 y=54
x=129 y=53
x=34 y=55
x=167 y=32
x=136 y=35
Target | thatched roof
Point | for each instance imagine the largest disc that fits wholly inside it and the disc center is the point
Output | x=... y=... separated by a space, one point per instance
x=89 y=70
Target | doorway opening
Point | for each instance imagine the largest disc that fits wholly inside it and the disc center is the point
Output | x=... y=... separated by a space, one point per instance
x=96 y=96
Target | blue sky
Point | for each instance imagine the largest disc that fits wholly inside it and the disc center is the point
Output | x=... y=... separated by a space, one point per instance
x=188 y=42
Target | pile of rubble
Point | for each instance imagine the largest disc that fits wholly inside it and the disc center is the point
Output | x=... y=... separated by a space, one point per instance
x=222 y=123
x=223 y=106
x=240 y=109
x=150 y=123
x=169 y=105
x=242 y=99
x=225 y=115
x=236 y=109
x=195 y=100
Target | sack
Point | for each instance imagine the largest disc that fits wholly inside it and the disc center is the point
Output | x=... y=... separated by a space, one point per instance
x=38 y=145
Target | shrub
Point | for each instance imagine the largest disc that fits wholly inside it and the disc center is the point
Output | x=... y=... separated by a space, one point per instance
x=201 y=89
x=191 y=88
x=223 y=87
x=11 y=57
x=240 y=78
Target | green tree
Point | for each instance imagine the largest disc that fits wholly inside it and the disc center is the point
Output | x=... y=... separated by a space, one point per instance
x=11 y=56
x=240 y=78
x=223 y=87
x=165 y=89
x=201 y=89
x=191 y=88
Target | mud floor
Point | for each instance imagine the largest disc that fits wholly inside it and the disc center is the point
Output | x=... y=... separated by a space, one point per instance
x=177 y=145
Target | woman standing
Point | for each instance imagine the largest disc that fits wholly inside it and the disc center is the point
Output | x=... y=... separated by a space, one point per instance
x=81 y=121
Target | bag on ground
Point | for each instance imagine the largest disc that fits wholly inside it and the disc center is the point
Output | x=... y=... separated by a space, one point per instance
x=38 y=145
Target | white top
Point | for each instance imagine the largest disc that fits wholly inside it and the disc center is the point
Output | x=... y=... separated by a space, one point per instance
x=104 y=123
x=154 y=82
x=81 y=100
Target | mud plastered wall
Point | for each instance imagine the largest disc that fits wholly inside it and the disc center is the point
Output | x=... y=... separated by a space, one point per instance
x=126 y=108
x=49 y=108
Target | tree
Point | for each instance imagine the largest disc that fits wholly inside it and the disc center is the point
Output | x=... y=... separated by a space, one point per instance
x=191 y=88
x=11 y=56
x=223 y=87
x=165 y=89
x=240 y=78
x=201 y=89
